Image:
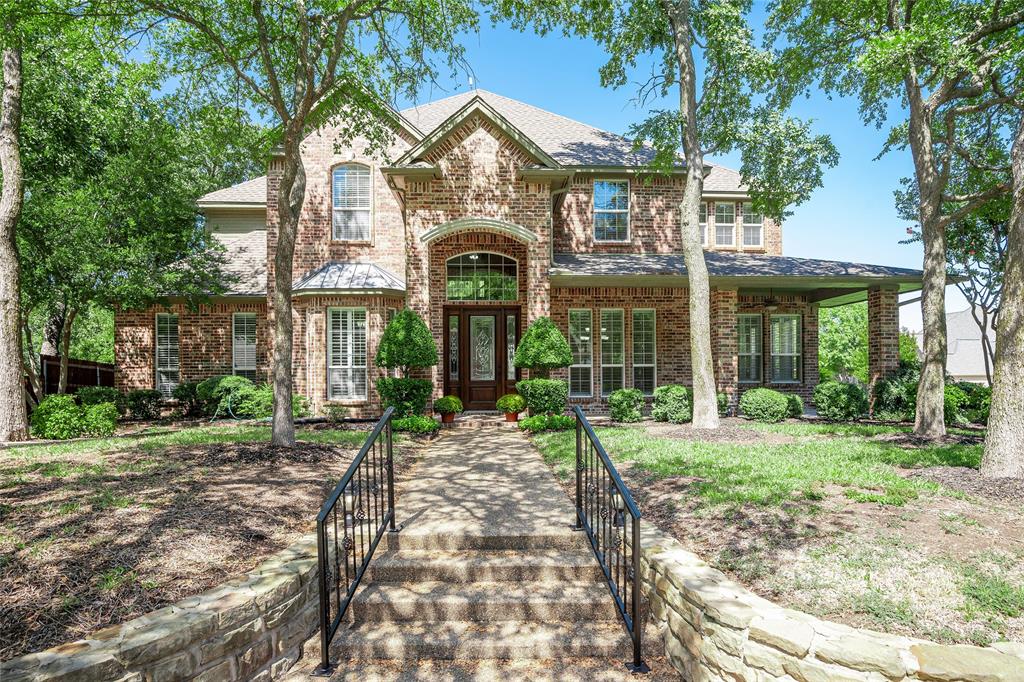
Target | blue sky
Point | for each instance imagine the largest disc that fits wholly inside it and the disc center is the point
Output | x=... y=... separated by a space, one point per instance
x=852 y=217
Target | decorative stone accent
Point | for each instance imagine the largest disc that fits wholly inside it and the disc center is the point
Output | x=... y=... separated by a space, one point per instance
x=716 y=630
x=249 y=628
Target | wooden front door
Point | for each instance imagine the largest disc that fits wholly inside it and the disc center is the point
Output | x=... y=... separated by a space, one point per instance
x=478 y=347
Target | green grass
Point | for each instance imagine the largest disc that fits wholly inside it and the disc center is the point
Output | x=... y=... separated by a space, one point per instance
x=990 y=596
x=770 y=474
x=885 y=611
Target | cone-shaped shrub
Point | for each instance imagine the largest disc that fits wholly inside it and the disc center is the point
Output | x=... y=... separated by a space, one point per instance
x=543 y=348
x=406 y=344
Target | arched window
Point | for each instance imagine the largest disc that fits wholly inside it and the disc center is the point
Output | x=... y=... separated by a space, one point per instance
x=482 y=277
x=351 y=202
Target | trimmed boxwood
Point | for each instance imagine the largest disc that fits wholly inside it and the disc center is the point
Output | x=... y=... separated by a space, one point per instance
x=547 y=422
x=511 y=403
x=839 y=401
x=187 y=395
x=544 y=396
x=448 y=404
x=259 y=403
x=223 y=395
x=58 y=417
x=100 y=419
x=542 y=348
x=764 y=405
x=406 y=344
x=626 y=405
x=796 y=404
x=143 y=403
x=672 y=403
x=415 y=423
x=407 y=396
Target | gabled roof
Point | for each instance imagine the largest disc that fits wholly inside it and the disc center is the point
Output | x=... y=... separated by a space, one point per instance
x=249 y=193
x=339 y=276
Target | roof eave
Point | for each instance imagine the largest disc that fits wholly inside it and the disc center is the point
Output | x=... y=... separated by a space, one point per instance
x=231 y=204
x=384 y=291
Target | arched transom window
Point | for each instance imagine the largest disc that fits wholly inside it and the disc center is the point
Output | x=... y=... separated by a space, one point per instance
x=482 y=277
x=350 y=199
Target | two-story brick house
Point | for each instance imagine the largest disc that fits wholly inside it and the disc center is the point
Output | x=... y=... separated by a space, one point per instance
x=487 y=214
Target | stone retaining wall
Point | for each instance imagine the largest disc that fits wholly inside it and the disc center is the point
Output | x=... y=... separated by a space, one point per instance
x=716 y=630
x=250 y=628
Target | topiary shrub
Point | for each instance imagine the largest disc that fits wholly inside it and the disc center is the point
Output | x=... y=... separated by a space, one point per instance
x=764 y=405
x=100 y=419
x=187 y=395
x=406 y=344
x=547 y=422
x=415 y=423
x=407 y=396
x=511 y=403
x=58 y=417
x=837 y=401
x=672 y=403
x=544 y=396
x=223 y=395
x=542 y=349
x=626 y=405
x=796 y=404
x=259 y=403
x=723 y=405
x=448 y=404
x=143 y=403
x=95 y=395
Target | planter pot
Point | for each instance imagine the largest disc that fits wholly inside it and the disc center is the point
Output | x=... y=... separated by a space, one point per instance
x=448 y=418
x=511 y=416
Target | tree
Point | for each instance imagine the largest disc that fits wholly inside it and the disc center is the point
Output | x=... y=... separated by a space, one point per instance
x=782 y=159
x=542 y=348
x=843 y=342
x=950 y=65
x=406 y=344
x=304 y=63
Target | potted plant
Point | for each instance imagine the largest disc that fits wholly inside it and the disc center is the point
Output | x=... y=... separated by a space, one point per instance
x=448 y=407
x=511 y=404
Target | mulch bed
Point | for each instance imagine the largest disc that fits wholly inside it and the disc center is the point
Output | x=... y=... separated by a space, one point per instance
x=89 y=540
x=971 y=482
x=730 y=430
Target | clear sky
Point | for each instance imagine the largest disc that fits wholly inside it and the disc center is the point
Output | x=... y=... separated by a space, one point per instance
x=852 y=217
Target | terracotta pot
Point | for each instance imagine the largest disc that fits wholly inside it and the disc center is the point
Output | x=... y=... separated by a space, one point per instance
x=511 y=416
x=448 y=418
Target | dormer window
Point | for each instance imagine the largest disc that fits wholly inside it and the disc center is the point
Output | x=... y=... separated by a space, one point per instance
x=752 y=226
x=611 y=210
x=351 y=202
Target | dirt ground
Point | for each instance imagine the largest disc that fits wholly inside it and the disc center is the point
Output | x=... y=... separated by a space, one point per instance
x=92 y=539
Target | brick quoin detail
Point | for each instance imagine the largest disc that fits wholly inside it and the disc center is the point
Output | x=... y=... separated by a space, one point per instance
x=883 y=333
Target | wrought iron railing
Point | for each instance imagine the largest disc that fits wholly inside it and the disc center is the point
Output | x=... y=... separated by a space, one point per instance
x=607 y=513
x=349 y=526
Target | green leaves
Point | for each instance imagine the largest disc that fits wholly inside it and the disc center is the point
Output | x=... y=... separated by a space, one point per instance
x=406 y=344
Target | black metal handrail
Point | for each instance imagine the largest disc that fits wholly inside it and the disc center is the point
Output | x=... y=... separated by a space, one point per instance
x=364 y=503
x=606 y=511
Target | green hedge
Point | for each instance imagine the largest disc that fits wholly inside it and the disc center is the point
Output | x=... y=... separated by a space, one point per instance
x=544 y=396
x=258 y=403
x=626 y=405
x=723 y=405
x=415 y=423
x=187 y=395
x=547 y=422
x=672 y=403
x=96 y=395
x=100 y=419
x=223 y=395
x=838 y=401
x=406 y=344
x=143 y=403
x=407 y=396
x=764 y=405
x=60 y=417
x=448 y=404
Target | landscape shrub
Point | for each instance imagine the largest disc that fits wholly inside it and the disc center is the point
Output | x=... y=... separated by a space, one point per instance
x=223 y=395
x=258 y=403
x=95 y=395
x=542 y=348
x=544 y=396
x=448 y=404
x=511 y=403
x=672 y=403
x=723 y=405
x=796 y=404
x=979 y=401
x=407 y=396
x=143 y=403
x=415 y=423
x=626 y=405
x=956 y=402
x=896 y=397
x=764 y=405
x=100 y=419
x=187 y=395
x=58 y=417
x=547 y=422
x=406 y=344
x=336 y=413
x=837 y=401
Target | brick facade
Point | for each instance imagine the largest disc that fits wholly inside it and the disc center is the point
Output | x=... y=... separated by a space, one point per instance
x=883 y=333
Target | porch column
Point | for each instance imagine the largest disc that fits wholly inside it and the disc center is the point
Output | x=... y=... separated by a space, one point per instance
x=725 y=341
x=883 y=333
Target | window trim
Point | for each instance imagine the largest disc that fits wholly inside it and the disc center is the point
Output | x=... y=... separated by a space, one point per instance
x=703 y=226
x=156 y=351
x=759 y=354
x=255 y=343
x=594 y=210
x=654 y=351
x=462 y=301
x=732 y=232
x=372 y=211
x=590 y=365
x=799 y=348
x=329 y=359
x=622 y=366
x=745 y=225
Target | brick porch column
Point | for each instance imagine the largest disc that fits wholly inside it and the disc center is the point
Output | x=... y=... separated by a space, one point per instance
x=725 y=341
x=883 y=333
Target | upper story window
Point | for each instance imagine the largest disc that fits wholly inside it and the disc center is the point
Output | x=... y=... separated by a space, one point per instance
x=482 y=277
x=611 y=210
x=351 y=202
x=752 y=226
x=725 y=223
x=702 y=219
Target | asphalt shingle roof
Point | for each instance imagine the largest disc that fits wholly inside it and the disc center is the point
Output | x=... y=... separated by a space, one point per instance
x=355 y=276
x=249 y=192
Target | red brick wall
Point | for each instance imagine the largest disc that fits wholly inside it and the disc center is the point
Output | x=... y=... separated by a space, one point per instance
x=883 y=333
x=787 y=305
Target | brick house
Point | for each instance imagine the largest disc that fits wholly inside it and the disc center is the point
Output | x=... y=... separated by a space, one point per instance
x=485 y=214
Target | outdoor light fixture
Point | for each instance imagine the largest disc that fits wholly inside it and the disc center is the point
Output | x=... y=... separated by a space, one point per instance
x=771 y=304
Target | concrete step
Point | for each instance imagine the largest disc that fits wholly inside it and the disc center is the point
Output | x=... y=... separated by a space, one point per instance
x=482 y=601
x=496 y=539
x=493 y=566
x=467 y=640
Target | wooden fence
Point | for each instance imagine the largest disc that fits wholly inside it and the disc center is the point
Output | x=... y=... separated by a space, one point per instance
x=80 y=373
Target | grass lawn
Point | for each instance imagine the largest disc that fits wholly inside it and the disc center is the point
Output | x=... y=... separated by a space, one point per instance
x=99 y=531
x=842 y=520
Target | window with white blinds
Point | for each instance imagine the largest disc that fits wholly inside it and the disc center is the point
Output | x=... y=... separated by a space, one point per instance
x=346 y=354
x=243 y=345
x=725 y=223
x=749 y=348
x=613 y=353
x=581 y=341
x=785 y=332
x=702 y=219
x=752 y=225
x=351 y=197
x=644 y=368
x=168 y=358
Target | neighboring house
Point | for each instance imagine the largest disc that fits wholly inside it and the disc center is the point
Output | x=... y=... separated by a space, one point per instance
x=965 y=356
x=489 y=214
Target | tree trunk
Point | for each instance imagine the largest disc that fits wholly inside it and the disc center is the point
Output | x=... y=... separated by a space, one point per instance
x=53 y=329
x=1004 y=446
x=929 y=421
x=30 y=364
x=12 y=191
x=705 y=394
x=65 y=345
